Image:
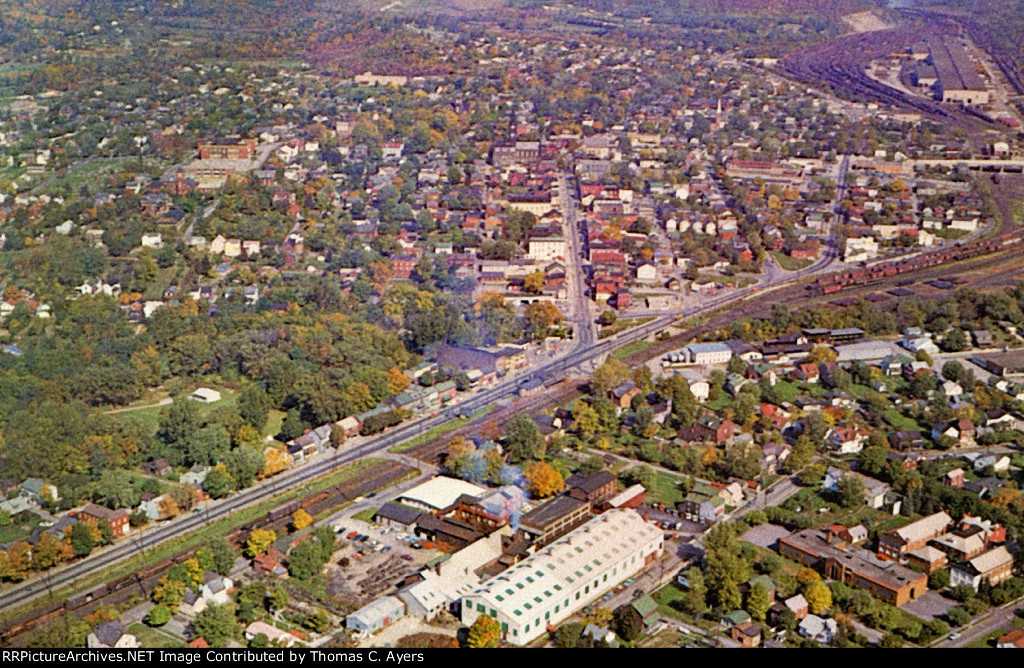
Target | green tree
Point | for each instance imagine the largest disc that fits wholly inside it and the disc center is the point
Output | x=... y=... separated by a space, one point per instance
x=158 y=615
x=851 y=491
x=254 y=405
x=81 y=539
x=217 y=624
x=628 y=623
x=523 y=440
x=758 y=602
x=219 y=483
x=584 y=419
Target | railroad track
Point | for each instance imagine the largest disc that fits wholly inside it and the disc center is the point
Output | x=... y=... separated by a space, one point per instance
x=142 y=583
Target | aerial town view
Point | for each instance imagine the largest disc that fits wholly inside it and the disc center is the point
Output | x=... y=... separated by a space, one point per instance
x=348 y=329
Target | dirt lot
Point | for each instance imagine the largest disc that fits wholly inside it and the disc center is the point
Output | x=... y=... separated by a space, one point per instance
x=374 y=565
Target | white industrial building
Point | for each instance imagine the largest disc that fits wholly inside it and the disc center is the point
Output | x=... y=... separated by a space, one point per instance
x=374 y=616
x=438 y=493
x=708 y=353
x=553 y=584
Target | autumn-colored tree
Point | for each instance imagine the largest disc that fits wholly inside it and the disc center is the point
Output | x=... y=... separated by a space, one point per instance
x=258 y=542
x=301 y=519
x=822 y=355
x=397 y=381
x=818 y=596
x=544 y=480
x=534 y=282
x=275 y=461
x=806 y=575
x=49 y=552
x=169 y=593
x=15 y=562
x=485 y=632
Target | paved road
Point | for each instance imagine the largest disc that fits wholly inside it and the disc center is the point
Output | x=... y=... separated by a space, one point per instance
x=995 y=620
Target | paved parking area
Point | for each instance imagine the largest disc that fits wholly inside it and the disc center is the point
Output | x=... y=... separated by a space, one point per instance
x=930 y=605
x=764 y=535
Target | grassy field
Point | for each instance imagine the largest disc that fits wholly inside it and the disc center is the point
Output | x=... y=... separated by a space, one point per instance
x=151 y=638
x=150 y=416
x=365 y=515
x=899 y=421
x=631 y=349
x=441 y=430
x=666 y=489
x=790 y=263
x=19 y=530
x=213 y=530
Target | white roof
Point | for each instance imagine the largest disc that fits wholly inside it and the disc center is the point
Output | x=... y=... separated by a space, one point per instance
x=924 y=527
x=207 y=394
x=714 y=347
x=458 y=574
x=374 y=612
x=272 y=632
x=992 y=559
x=441 y=492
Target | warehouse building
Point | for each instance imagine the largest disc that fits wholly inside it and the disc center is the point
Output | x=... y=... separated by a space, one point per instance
x=438 y=493
x=554 y=519
x=376 y=615
x=958 y=79
x=554 y=583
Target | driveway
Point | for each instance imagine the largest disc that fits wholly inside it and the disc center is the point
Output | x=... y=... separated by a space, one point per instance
x=929 y=606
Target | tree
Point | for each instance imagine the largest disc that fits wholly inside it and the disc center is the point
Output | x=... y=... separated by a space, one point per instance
x=818 y=596
x=939 y=579
x=81 y=539
x=851 y=491
x=958 y=616
x=485 y=632
x=758 y=602
x=522 y=439
x=254 y=405
x=610 y=374
x=891 y=641
x=544 y=480
x=628 y=623
x=812 y=475
x=258 y=542
x=301 y=519
x=567 y=636
x=218 y=482
x=158 y=615
x=584 y=419
x=217 y=624
x=822 y=355
x=169 y=593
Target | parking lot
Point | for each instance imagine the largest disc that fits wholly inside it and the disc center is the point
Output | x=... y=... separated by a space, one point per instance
x=375 y=559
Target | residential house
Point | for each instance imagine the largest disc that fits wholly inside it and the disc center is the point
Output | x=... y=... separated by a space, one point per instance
x=111 y=635
x=989 y=568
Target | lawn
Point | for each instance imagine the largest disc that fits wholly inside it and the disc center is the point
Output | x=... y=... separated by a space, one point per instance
x=786 y=390
x=365 y=515
x=19 y=530
x=790 y=263
x=666 y=489
x=631 y=349
x=440 y=430
x=667 y=598
x=149 y=417
x=899 y=421
x=151 y=638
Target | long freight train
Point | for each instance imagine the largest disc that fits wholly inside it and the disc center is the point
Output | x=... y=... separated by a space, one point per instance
x=859 y=276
